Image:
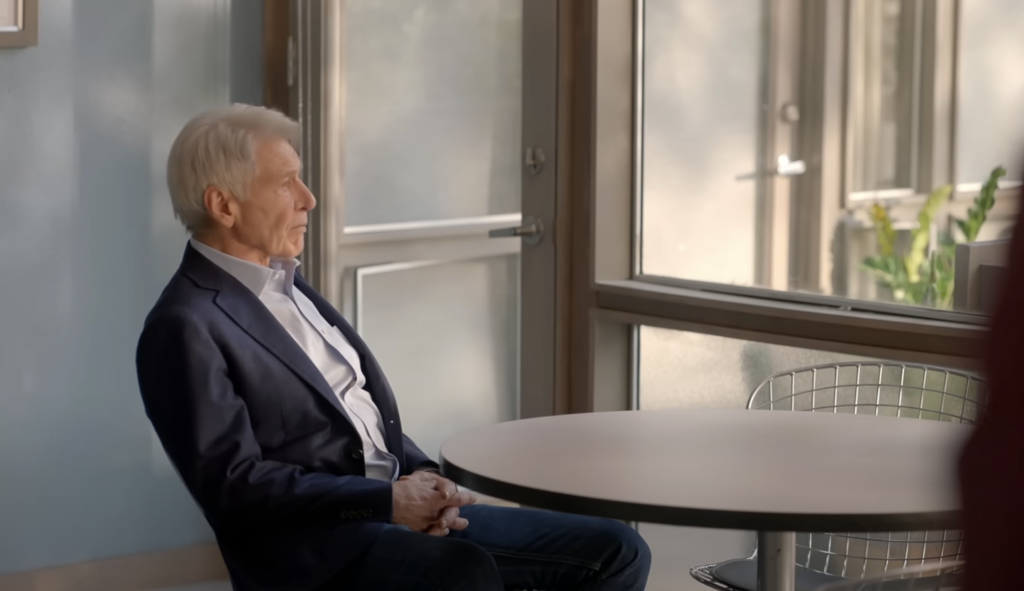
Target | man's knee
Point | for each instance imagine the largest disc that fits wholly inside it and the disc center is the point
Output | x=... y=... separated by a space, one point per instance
x=464 y=565
x=631 y=548
x=636 y=543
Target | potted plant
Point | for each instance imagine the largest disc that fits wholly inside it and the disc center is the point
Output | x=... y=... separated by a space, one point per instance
x=923 y=275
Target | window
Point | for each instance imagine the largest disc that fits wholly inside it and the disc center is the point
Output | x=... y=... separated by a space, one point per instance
x=885 y=47
x=826 y=150
x=701 y=91
x=679 y=369
x=762 y=142
x=434 y=87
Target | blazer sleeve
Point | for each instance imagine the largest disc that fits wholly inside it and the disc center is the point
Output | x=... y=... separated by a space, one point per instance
x=416 y=460
x=205 y=430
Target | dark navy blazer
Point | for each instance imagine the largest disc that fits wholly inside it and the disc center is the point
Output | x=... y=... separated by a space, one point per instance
x=257 y=434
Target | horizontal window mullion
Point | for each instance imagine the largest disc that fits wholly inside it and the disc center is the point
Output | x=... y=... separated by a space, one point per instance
x=792 y=320
x=823 y=302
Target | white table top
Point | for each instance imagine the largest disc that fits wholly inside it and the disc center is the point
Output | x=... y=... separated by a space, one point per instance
x=762 y=470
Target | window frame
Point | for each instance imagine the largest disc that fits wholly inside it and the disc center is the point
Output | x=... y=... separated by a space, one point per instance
x=612 y=299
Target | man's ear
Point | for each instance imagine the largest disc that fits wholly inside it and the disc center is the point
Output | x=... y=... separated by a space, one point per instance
x=221 y=206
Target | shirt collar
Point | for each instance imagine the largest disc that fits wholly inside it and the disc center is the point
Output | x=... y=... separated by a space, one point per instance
x=254 y=277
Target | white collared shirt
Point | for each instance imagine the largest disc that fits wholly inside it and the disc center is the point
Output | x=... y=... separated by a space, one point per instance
x=326 y=347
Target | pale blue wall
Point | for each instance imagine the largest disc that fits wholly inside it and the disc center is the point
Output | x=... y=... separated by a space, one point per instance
x=87 y=240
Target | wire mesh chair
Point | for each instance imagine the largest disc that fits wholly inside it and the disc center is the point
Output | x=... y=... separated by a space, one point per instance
x=881 y=389
x=945 y=577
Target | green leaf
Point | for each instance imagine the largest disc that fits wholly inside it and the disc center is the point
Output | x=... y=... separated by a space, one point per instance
x=983 y=203
x=883 y=230
x=886 y=268
x=920 y=236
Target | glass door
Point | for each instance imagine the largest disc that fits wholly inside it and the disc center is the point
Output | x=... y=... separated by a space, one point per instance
x=419 y=115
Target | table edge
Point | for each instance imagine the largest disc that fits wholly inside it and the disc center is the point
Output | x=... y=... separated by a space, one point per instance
x=682 y=516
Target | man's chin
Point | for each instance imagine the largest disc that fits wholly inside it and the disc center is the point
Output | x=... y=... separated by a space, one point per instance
x=291 y=250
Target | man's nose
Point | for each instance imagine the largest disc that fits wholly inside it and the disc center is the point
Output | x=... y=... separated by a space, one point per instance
x=306 y=199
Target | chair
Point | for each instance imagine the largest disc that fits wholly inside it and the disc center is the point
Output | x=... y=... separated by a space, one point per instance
x=884 y=389
x=948 y=577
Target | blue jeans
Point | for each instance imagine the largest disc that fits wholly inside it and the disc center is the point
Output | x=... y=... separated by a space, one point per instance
x=504 y=548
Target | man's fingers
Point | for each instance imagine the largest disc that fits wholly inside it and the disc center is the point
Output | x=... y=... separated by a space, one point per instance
x=448 y=516
x=445 y=487
x=461 y=499
x=448 y=520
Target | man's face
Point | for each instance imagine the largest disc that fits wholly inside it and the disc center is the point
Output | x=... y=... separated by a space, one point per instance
x=272 y=219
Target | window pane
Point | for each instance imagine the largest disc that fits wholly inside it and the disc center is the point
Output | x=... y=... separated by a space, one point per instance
x=702 y=67
x=447 y=336
x=882 y=60
x=697 y=371
x=692 y=370
x=432 y=109
x=990 y=113
x=859 y=217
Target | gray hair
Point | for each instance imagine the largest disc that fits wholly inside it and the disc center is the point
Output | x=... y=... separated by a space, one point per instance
x=217 y=148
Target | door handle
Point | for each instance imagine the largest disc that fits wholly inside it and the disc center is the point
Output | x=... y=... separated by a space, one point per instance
x=787 y=167
x=532 y=231
x=783 y=167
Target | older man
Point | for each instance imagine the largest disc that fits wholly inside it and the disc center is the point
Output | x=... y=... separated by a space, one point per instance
x=284 y=428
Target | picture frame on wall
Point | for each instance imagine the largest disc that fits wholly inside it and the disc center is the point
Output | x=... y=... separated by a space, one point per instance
x=19 y=23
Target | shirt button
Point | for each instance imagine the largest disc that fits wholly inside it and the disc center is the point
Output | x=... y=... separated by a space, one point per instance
x=358 y=454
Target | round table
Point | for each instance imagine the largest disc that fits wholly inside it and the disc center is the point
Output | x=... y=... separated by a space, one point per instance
x=775 y=472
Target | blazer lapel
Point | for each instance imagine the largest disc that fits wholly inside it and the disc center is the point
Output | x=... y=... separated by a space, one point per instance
x=249 y=313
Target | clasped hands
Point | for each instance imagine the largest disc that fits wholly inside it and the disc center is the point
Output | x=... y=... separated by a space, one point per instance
x=429 y=503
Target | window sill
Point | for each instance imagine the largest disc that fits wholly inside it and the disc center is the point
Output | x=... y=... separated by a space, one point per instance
x=821 y=326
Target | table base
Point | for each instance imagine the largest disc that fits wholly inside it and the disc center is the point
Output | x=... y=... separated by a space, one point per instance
x=776 y=561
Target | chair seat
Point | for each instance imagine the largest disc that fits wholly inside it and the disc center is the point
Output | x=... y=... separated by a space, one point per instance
x=741 y=573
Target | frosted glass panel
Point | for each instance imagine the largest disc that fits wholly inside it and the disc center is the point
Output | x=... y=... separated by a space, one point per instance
x=702 y=66
x=447 y=336
x=990 y=109
x=691 y=370
x=432 y=99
